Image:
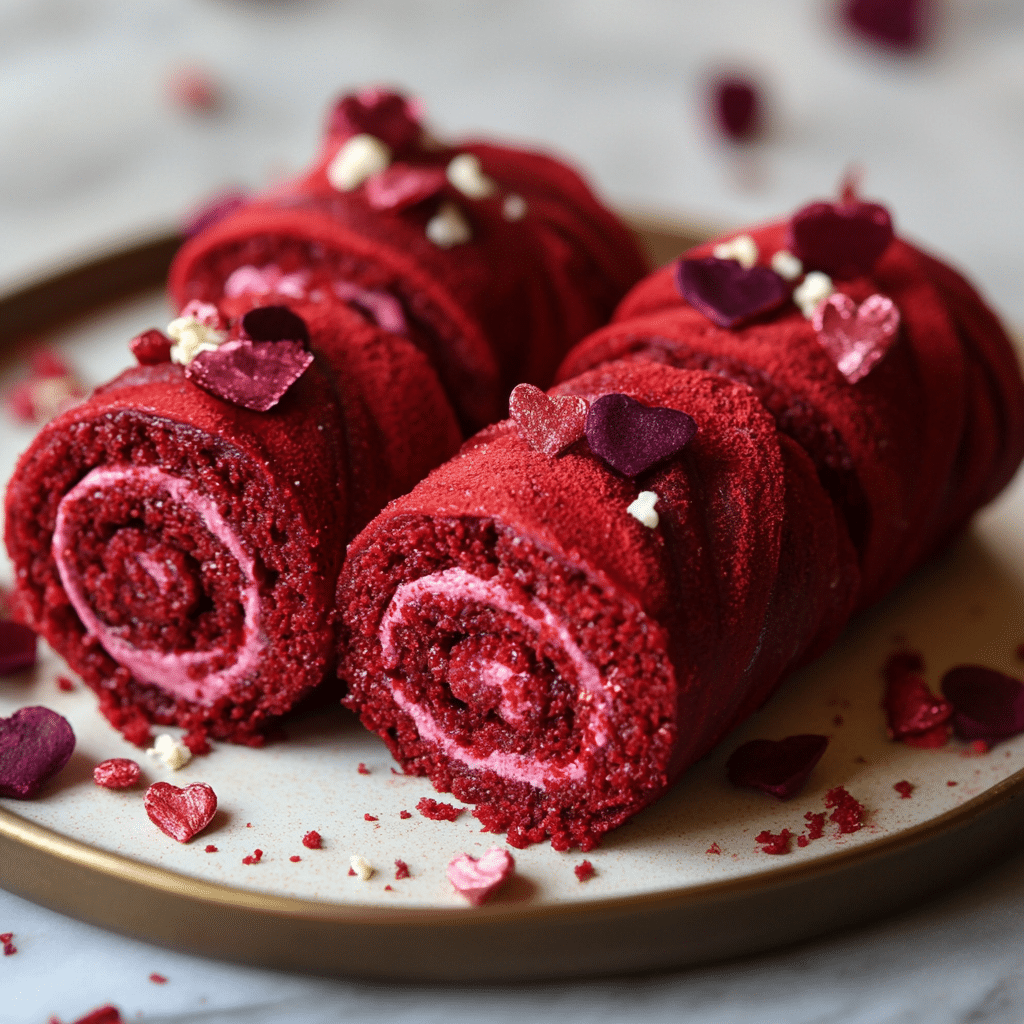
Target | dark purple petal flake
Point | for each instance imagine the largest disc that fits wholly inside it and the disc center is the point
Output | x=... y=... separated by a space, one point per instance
x=778 y=767
x=900 y=24
x=844 y=239
x=632 y=437
x=987 y=705
x=35 y=743
x=727 y=293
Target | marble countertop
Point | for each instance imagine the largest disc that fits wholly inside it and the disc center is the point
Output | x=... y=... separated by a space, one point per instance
x=93 y=152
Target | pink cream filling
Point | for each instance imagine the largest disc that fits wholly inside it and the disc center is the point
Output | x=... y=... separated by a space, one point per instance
x=178 y=672
x=462 y=586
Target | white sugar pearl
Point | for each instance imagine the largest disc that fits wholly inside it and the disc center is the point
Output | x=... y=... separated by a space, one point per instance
x=742 y=249
x=514 y=207
x=642 y=509
x=466 y=174
x=448 y=227
x=172 y=752
x=786 y=265
x=815 y=288
x=362 y=867
x=192 y=336
x=358 y=159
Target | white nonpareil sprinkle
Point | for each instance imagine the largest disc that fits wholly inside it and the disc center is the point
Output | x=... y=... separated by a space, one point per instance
x=514 y=207
x=171 y=751
x=362 y=867
x=191 y=336
x=358 y=159
x=466 y=174
x=786 y=265
x=448 y=227
x=742 y=249
x=812 y=291
x=642 y=509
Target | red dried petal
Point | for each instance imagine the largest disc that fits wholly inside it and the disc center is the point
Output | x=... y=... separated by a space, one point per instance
x=35 y=744
x=104 y=1015
x=900 y=24
x=632 y=437
x=778 y=767
x=987 y=705
x=437 y=811
x=117 y=773
x=387 y=115
x=843 y=239
x=251 y=375
x=151 y=347
x=911 y=708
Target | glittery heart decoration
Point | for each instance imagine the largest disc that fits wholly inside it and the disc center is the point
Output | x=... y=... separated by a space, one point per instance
x=856 y=337
x=778 y=767
x=476 y=878
x=389 y=116
x=987 y=705
x=911 y=708
x=727 y=293
x=181 y=813
x=632 y=437
x=842 y=239
x=547 y=424
x=35 y=743
x=402 y=185
x=252 y=375
x=151 y=347
x=274 y=323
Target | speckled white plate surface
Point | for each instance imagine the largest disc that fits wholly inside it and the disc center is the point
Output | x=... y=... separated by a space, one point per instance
x=966 y=607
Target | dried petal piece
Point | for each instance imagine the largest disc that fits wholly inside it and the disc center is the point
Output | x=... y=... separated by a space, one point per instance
x=548 y=424
x=727 y=293
x=843 y=239
x=181 y=813
x=856 y=338
x=116 y=773
x=476 y=878
x=911 y=709
x=252 y=375
x=987 y=705
x=35 y=743
x=632 y=437
x=778 y=767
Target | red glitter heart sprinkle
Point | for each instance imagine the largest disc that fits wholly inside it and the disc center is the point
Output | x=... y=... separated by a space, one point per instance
x=476 y=878
x=856 y=337
x=388 y=116
x=116 y=773
x=737 y=108
x=843 y=239
x=35 y=743
x=548 y=424
x=17 y=647
x=151 y=348
x=181 y=813
x=778 y=767
x=911 y=708
x=632 y=437
x=402 y=185
x=987 y=705
x=273 y=323
x=252 y=375
x=727 y=293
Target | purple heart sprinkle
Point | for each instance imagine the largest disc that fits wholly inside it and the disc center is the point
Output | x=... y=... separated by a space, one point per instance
x=252 y=375
x=632 y=437
x=987 y=705
x=274 y=323
x=778 y=767
x=844 y=239
x=17 y=647
x=35 y=743
x=726 y=293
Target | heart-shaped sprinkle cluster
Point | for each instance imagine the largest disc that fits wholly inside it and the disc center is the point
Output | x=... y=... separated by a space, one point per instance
x=728 y=293
x=476 y=878
x=181 y=813
x=856 y=337
x=252 y=375
x=17 y=647
x=844 y=239
x=35 y=743
x=382 y=113
x=547 y=424
x=403 y=185
x=778 y=767
x=632 y=437
x=151 y=347
x=987 y=705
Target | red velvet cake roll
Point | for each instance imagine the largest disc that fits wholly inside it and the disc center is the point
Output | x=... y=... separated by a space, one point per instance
x=493 y=260
x=181 y=549
x=560 y=620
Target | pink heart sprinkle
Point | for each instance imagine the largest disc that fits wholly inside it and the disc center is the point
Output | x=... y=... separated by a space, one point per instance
x=250 y=374
x=477 y=879
x=778 y=767
x=856 y=337
x=35 y=743
x=181 y=813
x=401 y=186
x=547 y=424
x=17 y=647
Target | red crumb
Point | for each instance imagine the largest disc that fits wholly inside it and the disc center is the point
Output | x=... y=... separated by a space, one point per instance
x=714 y=848
x=369 y=817
x=295 y=858
x=771 y=843
x=838 y=721
x=312 y=841
x=802 y=841
x=401 y=870
x=255 y=858
x=6 y=936
x=352 y=871
x=157 y=979
x=815 y=825
x=10 y=949
x=405 y=814
x=248 y=824
x=211 y=848
x=116 y=773
x=104 y=1015
x=951 y=783
x=904 y=789
x=437 y=811
x=848 y=811
x=584 y=871
x=980 y=747
x=387 y=888
x=65 y=684
x=362 y=769
x=196 y=742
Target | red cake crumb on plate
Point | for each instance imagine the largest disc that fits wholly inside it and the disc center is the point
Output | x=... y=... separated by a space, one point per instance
x=437 y=811
x=847 y=813
x=401 y=869
x=312 y=840
x=904 y=789
x=774 y=843
x=362 y=769
x=714 y=848
x=254 y=858
x=584 y=871
x=157 y=979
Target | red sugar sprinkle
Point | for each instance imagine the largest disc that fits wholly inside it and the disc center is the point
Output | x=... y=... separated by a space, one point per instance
x=116 y=773
x=401 y=870
x=362 y=769
x=65 y=684
x=211 y=848
x=911 y=709
x=405 y=814
x=904 y=789
x=369 y=817
x=157 y=979
x=980 y=747
x=848 y=811
x=255 y=858
x=951 y=783
x=771 y=843
x=295 y=858
x=584 y=871
x=714 y=848
x=104 y=1015
x=6 y=936
x=437 y=811
x=312 y=841
x=387 y=888
x=351 y=871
